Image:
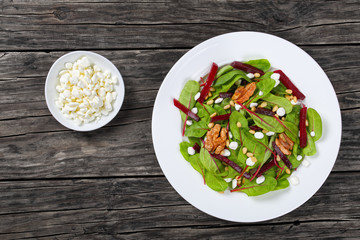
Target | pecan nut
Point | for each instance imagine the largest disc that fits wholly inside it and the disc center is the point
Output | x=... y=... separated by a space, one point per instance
x=216 y=139
x=284 y=143
x=243 y=94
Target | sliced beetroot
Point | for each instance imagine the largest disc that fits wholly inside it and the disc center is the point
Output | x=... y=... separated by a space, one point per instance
x=220 y=117
x=225 y=94
x=282 y=156
x=255 y=128
x=265 y=111
x=185 y=110
x=302 y=127
x=288 y=84
x=246 y=67
x=197 y=147
x=266 y=167
x=231 y=164
x=208 y=83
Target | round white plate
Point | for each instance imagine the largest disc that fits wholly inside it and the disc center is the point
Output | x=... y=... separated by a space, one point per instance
x=308 y=77
x=51 y=94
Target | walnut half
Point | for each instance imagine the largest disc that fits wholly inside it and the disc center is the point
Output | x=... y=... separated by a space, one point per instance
x=216 y=139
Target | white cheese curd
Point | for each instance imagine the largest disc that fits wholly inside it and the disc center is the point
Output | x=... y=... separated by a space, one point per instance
x=299 y=157
x=270 y=134
x=194 y=110
x=219 y=100
x=305 y=163
x=196 y=97
x=249 y=162
x=260 y=179
x=312 y=134
x=250 y=75
x=261 y=93
x=253 y=105
x=189 y=122
x=294 y=180
x=295 y=103
x=275 y=76
x=237 y=107
x=191 y=151
x=86 y=92
x=233 y=145
x=226 y=153
x=234 y=183
x=227 y=180
x=259 y=135
x=230 y=134
x=281 y=111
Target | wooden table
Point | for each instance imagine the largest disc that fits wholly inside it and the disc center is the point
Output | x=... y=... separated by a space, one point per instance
x=59 y=184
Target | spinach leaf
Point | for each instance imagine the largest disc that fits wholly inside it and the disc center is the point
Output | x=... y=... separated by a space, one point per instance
x=265 y=87
x=262 y=64
x=194 y=160
x=267 y=152
x=281 y=184
x=310 y=148
x=184 y=149
x=279 y=89
x=280 y=101
x=294 y=116
x=229 y=76
x=187 y=94
x=199 y=129
x=254 y=189
x=223 y=70
x=216 y=183
x=209 y=162
x=253 y=146
x=291 y=131
x=236 y=117
x=315 y=123
x=268 y=123
x=294 y=162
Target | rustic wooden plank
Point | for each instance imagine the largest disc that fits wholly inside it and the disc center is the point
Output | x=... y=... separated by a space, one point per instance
x=147 y=206
x=170 y=24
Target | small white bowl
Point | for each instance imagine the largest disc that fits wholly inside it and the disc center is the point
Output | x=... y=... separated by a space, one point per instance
x=51 y=94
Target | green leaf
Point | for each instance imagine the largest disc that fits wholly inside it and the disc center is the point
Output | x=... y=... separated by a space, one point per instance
x=280 y=101
x=294 y=162
x=291 y=131
x=253 y=146
x=254 y=189
x=236 y=117
x=279 y=89
x=310 y=148
x=315 y=123
x=223 y=70
x=184 y=150
x=199 y=129
x=262 y=64
x=281 y=184
x=268 y=123
x=294 y=116
x=229 y=76
x=210 y=163
x=216 y=183
x=187 y=94
x=194 y=160
x=265 y=86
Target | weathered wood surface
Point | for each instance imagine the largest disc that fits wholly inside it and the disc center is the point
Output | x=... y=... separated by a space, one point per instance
x=59 y=184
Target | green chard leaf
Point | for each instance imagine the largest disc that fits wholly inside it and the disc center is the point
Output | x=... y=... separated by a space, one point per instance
x=291 y=131
x=265 y=85
x=294 y=116
x=184 y=149
x=268 y=123
x=210 y=163
x=262 y=64
x=280 y=101
x=223 y=70
x=310 y=148
x=254 y=189
x=315 y=123
x=227 y=77
x=194 y=160
x=282 y=184
x=236 y=117
x=187 y=94
x=216 y=183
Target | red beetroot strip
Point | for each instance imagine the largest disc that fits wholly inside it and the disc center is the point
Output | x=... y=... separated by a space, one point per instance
x=266 y=167
x=288 y=84
x=209 y=81
x=225 y=94
x=282 y=156
x=220 y=117
x=231 y=164
x=185 y=110
x=265 y=111
x=255 y=128
x=197 y=147
x=302 y=127
x=246 y=67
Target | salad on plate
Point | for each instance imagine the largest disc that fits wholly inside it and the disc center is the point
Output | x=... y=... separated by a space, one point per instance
x=246 y=127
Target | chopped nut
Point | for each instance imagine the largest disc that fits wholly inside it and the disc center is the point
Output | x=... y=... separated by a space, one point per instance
x=209 y=94
x=227 y=107
x=226 y=168
x=295 y=99
x=244 y=150
x=252 y=131
x=288 y=97
x=283 y=118
x=263 y=104
x=222 y=152
x=243 y=181
x=249 y=154
x=211 y=125
x=275 y=108
x=227 y=143
x=212 y=89
x=265 y=131
x=254 y=159
x=253 y=109
x=238 y=177
x=278 y=158
x=291 y=97
x=213 y=115
x=232 y=103
x=238 y=124
x=276 y=115
x=242 y=93
x=288 y=171
x=289 y=91
x=256 y=75
x=221 y=192
x=307 y=122
x=210 y=102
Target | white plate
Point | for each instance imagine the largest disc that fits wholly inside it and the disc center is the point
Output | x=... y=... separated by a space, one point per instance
x=51 y=94
x=308 y=77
